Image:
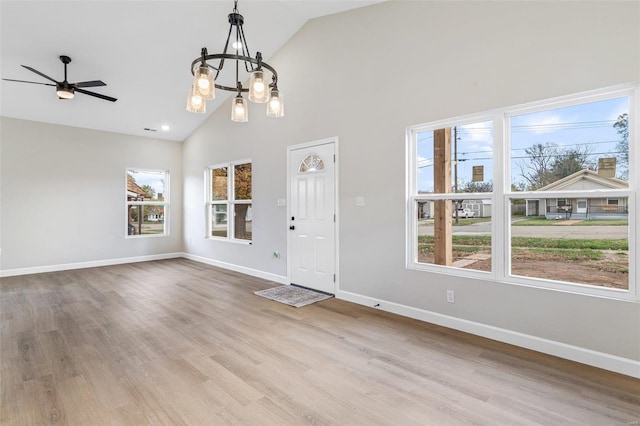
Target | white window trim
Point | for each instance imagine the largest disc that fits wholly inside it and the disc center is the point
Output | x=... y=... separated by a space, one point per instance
x=164 y=203
x=413 y=197
x=502 y=195
x=229 y=202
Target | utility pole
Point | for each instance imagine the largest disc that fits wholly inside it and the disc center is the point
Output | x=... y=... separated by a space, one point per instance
x=442 y=235
x=455 y=168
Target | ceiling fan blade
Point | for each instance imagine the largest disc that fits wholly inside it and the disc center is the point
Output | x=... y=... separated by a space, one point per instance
x=39 y=73
x=97 y=95
x=32 y=82
x=94 y=83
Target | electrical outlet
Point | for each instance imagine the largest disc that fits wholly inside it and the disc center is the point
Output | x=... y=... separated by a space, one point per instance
x=451 y=296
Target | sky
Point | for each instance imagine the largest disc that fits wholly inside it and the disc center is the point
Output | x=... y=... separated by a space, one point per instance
x=154 y=179
x=585 y=126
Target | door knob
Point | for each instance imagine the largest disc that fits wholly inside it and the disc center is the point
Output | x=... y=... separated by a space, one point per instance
x=292 y=227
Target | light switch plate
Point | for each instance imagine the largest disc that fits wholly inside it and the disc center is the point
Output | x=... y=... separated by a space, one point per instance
x=359 y=201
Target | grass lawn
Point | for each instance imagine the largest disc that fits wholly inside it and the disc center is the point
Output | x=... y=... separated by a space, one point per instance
x=536 y=221
x=557 y=248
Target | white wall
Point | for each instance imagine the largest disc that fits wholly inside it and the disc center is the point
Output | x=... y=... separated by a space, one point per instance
x=63 y=194
x=365 y=76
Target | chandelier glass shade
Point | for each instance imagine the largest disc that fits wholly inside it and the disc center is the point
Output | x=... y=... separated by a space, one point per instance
x=239 y=110
x=275 y=107
x=263 y=78
x=205 y=83
x=195 y=101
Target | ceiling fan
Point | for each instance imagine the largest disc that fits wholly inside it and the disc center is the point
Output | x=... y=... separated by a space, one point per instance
x=64 y=89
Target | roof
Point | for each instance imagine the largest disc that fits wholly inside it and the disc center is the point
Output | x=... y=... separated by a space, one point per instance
x=133 y=189
x=585 y=175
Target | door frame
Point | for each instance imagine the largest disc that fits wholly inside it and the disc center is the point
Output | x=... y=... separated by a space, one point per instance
x=336 y=227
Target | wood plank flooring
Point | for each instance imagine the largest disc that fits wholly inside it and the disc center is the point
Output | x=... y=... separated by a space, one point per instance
x=177 y=342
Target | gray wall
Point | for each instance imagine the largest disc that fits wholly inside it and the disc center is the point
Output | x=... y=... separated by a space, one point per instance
x=365 y=76
x=63 y=194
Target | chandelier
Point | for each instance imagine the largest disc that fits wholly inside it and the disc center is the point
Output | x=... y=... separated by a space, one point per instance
x=260 y=90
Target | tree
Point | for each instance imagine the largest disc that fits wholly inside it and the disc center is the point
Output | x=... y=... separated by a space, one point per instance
x=242 y=189
x=537 y=170
x=622 y=147
x=149 y=190
x=548 y=163
x=219 y=183
x=150 y=210
x=476 y=187
x=571 y=160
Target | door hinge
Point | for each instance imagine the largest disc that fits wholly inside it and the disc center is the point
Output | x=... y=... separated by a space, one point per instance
x=334 y=278
x=334 y=218
x=334 y=158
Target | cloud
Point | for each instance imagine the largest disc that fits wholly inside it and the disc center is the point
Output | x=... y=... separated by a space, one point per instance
x=477 y=132
x=539 y=123
x=424 y=162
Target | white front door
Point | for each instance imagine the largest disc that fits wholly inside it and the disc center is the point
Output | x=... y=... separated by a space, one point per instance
x=312 y=226
x=581 y=205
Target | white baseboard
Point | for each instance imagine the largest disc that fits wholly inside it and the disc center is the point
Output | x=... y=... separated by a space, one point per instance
x=237 y=268
x=89 y=264
x=574 y=353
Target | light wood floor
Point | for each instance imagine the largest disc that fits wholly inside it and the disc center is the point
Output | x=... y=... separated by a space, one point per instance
x=177 y=342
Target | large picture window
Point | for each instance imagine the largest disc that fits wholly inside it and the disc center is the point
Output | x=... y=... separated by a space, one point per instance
x=570 y=160
x=147 y=201
x=536 y=195
x=229 y=213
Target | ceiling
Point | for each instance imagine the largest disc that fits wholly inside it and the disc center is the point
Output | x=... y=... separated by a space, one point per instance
x=141 y=49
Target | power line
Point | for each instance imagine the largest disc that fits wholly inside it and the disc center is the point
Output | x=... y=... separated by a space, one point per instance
x=523 y=149
x=430 y=160
x=547 y=126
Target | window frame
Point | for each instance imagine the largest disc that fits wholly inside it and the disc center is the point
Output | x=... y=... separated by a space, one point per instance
x=230 y=201
x=502 y=194
x=165 y=203
x=414 y=197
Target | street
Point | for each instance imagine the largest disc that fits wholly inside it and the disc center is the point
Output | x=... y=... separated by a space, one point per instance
x=551 y=231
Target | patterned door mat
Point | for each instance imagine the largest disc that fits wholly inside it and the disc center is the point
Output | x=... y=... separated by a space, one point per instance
x=293 y=295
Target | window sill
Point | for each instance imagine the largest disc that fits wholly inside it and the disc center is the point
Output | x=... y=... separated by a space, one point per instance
x=231 y=240
x=134 y=237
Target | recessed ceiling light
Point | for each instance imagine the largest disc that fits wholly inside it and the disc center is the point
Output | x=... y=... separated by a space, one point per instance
x=165 y=127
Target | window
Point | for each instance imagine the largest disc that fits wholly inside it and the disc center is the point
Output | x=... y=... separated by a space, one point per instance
x=545 y=202
x=228 y=201
x=147 y=201
x=453 y=190
x=574 y=151
x=311 y=163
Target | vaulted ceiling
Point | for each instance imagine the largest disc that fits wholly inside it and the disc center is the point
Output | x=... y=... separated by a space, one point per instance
x=141 y=49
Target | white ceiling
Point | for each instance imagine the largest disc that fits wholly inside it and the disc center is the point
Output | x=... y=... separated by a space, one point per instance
x=141 y=49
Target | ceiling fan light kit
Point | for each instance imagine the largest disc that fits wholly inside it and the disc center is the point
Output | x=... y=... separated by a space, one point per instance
x=260 y=90
x=64 y=89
